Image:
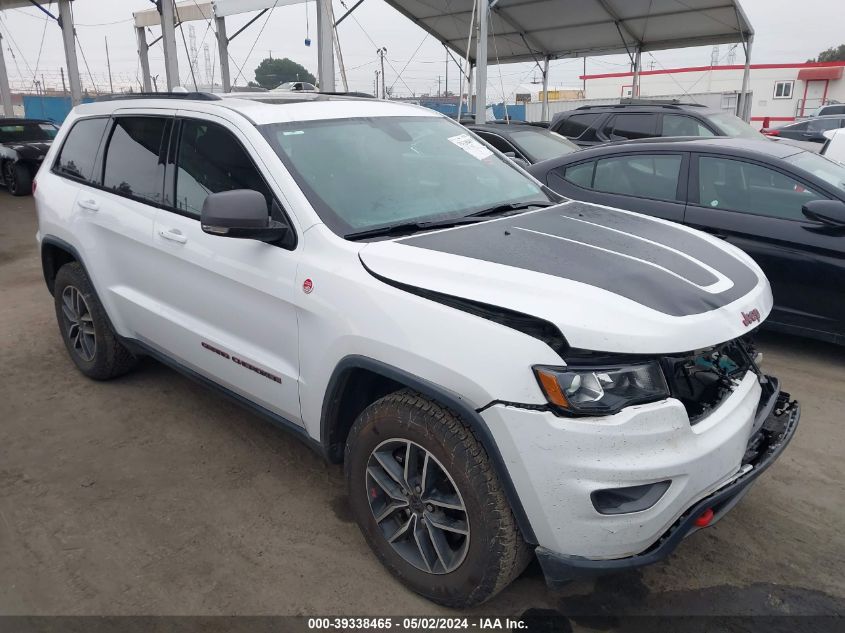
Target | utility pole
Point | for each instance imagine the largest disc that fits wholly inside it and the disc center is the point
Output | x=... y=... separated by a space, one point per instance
x=439 y=94
x=381 y=53
x=584 y=80
x=64 y=88
x=446 y=88
x=375 y=91
x=108 y=65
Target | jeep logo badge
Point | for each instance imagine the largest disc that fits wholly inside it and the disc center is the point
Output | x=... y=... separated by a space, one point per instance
x=750 y=317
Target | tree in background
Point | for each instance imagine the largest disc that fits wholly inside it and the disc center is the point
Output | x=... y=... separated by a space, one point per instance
x=272 y=72
x=833 y=54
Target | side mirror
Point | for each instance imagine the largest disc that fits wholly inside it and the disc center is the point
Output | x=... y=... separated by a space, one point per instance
x=240 y=213
x=830 y=212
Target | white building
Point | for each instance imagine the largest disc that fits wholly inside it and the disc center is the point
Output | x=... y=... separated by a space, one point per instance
x=780 y=92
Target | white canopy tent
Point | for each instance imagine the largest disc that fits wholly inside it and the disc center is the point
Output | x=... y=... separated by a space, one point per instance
x=541 y=30
x=65 y=22
x=173 y=14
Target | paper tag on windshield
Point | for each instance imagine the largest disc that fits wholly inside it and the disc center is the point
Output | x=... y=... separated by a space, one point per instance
x=471 y=146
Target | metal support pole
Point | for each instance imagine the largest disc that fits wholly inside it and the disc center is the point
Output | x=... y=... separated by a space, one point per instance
x=223 y=54
x=144 y=56
x=635 y=88
x=5 y=91
x=325 y=44
x=168 y=41
x=745 y=110
x=470 y=104
x=483 y=11
x=544 y=116
x=69 y=41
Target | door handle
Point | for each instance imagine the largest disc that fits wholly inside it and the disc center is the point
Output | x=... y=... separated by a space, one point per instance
x=174 y=235
x=89 y=203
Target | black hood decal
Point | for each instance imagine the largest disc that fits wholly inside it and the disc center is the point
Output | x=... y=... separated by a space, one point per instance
x=658 y=265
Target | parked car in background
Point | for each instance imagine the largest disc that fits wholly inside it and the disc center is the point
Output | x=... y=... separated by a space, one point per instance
x=295 y=86
x=834 y=146
x=811 y=130
x=524 y=141
x=636 y=119
x=23 y=144
x=833 y=108
x=782 y=205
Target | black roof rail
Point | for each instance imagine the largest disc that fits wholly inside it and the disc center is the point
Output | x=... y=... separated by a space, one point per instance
x=661 y=103
x=365 y=95
x=186 y=96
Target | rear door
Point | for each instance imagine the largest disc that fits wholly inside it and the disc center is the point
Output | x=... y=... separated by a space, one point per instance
x=653 y=183
x=119 y=215
x=757 y=208
x=228 y=305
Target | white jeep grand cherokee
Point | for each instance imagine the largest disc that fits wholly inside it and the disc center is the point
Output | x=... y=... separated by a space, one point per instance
x=503 y=373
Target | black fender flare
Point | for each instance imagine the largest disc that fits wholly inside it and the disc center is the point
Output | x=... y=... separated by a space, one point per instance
x=442 y=396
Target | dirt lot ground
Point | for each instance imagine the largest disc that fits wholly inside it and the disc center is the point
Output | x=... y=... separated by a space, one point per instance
x=153 y=495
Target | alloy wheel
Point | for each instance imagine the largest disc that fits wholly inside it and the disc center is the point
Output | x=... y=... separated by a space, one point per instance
x=417 y=506
x=78 y=324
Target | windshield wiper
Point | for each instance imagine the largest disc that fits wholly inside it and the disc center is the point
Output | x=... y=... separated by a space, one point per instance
x=410 y=227
x=513 y=206
x=406 y=228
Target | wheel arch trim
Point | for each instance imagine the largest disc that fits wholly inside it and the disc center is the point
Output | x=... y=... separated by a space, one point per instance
x=442 y=396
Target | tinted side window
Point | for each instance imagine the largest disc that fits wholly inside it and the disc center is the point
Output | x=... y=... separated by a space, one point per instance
x=134 y=164
x=646 y=176
x=834 y=109
x=574 y=126
x=76 y=158
x=630 y=126
x=211 y=160
x=739 y=186
x=680 y=125
x=581 y=175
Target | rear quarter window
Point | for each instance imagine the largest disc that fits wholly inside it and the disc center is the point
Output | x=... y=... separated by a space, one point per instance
x=77 y=155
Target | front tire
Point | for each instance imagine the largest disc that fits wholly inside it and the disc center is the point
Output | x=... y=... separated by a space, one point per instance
x=429 y=503
x=18 y=179
x=85 y=329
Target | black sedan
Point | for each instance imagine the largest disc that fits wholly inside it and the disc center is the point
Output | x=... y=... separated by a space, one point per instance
x=23 y=143
x=523 y=141
x=811 y=130
x=782 y=205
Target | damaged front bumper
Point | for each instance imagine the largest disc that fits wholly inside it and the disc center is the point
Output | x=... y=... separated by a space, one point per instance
x=774 y=426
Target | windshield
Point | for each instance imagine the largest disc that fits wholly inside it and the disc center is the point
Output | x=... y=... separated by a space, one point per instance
x=831 y=172
x=731 y=125
x=20 y=132
x=542 y=144
x=365 y=173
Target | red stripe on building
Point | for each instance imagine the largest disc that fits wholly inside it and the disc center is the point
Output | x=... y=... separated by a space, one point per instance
x=695 y=69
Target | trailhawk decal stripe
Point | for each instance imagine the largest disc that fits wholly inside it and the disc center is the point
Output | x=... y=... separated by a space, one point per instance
x=658 y=265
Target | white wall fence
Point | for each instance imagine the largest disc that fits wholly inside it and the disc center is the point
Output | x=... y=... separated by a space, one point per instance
x=726 y=101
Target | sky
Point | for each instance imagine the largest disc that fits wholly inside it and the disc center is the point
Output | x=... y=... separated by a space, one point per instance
x=415 y=61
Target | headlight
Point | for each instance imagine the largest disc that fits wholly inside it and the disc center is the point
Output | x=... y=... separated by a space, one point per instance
x=601 y=390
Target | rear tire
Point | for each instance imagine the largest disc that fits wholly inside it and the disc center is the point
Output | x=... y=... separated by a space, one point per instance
x=480 y=550
x=85 y=329
x=18 y=179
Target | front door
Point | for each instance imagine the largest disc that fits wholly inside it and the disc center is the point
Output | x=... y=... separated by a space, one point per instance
x=814 y=95
x=227 y=303
x=758 y=209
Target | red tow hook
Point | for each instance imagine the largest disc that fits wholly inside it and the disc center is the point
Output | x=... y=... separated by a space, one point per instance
x=704 y=518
